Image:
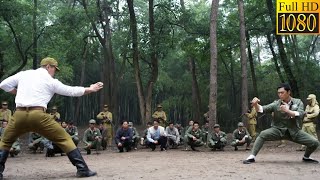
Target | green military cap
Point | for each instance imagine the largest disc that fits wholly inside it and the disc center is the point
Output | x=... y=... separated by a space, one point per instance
x=92 y=121
x=216 y=126
x=240 y=124
x=49 y=61
x=130 y=123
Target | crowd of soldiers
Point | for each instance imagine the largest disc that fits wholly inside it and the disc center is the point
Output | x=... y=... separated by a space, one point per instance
x=160 y=132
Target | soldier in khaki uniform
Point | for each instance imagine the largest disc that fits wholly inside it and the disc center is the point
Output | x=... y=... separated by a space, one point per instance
x=193 y=136
x=5 y=113
x=105 y=117
x=252 y=121
x=217 y=139
x=55 y=114
x=310 y=117
x=241 y=136
x=92 y=137
x=160 y=115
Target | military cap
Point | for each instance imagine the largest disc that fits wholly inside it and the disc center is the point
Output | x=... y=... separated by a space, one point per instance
x=216 y=126
x=106 y=105
x=92 y=121
x=49 y=61
x=240 y=124
x=54 y=108
x=159 y=106
x=130 y=123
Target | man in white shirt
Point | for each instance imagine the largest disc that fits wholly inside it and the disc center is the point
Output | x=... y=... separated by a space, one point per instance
x=34 y=89
x=157 y=136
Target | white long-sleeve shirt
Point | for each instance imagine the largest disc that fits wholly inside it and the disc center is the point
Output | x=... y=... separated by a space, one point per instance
x=36 y=88
x=154 y=134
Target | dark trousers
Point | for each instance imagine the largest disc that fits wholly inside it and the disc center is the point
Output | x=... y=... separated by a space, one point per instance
x=125 y=144
x=162 y=141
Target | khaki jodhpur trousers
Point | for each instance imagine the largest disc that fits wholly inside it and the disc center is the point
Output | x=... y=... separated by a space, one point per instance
x=39 y=122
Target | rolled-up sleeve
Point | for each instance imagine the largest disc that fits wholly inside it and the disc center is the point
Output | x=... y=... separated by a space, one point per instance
x=10 y=83
x=65 y=90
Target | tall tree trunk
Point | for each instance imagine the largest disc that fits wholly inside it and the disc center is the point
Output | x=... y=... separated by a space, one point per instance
x=275 y=59
x=35 y=39
x=213 y=64
x=135 y=49
x=251 y=61
x=283 y=56
x=244 y=78
x=195 y=91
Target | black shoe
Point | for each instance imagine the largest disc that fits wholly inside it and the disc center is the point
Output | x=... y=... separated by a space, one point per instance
x=236 y=148
x=3 y=158
x=77 y=160
x=49 y=153
x=11 y=154
x=88 y=151
x=309 y=160
x=121 y=151
x=194 y=149
x=248 y=161
x=153 y=148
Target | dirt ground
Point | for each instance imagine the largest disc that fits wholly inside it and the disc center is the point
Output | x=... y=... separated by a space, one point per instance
x=142 y=164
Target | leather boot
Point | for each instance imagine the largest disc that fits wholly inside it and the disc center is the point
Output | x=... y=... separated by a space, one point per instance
x=3 y=158
x=76 y=159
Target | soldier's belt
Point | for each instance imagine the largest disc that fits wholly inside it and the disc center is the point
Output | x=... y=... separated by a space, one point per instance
x=307 y=121
x=31 y=108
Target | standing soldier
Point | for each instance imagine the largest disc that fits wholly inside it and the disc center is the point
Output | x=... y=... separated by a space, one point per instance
x=136 y=136
x=73 y=132
x=217 y=139
x=54 y=113
x=310 y=117
x=5 y=113
x=241 y=136
x=252 y=121
x=106 y=118
x=160 y=115
x=92 y=137
x=193 y=136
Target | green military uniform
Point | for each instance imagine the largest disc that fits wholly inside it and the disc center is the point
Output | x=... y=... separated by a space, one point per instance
x=205 y=131
x=136 y=136
x=241 y=136
x=106 y=117
x=161 y=116
x=73 y=132
x=285 y=127
x=92 y=139
x=217 y=140
x=252 y=121
x=190 y=133
x=15 y=148
x=37 y=141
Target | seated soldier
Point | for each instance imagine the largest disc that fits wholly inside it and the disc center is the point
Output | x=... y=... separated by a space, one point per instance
x=15 y=148
x=124 y=137
x=173 y=135
x=104 y=135
x=36 y=141
x=205 y=131
x=241 y=136
x=144 y=140
x=136 y=137
x=217 y=139
x=193 y=136
x=157 y=136
x=181 y=132
x=72 y=130
x=92 y=137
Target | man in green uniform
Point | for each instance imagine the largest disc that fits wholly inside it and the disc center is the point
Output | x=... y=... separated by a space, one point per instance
x=193 y=136
x=55 y=114
x=5 y=113
x=252 y=121
x=285 y=125
x=217 y=139
x=310 y=118
x=92 y=137
x=105 y=117
x=241 y=136
x=37 y=141
x=136 y=136
x=34 y=89
x=161 y=116
x=72 y=130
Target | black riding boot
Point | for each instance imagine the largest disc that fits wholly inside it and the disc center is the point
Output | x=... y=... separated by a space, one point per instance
x=3 y=158
x=77 y=160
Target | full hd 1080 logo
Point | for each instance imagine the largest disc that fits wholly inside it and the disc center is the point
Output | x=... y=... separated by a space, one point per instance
x=298 y=17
